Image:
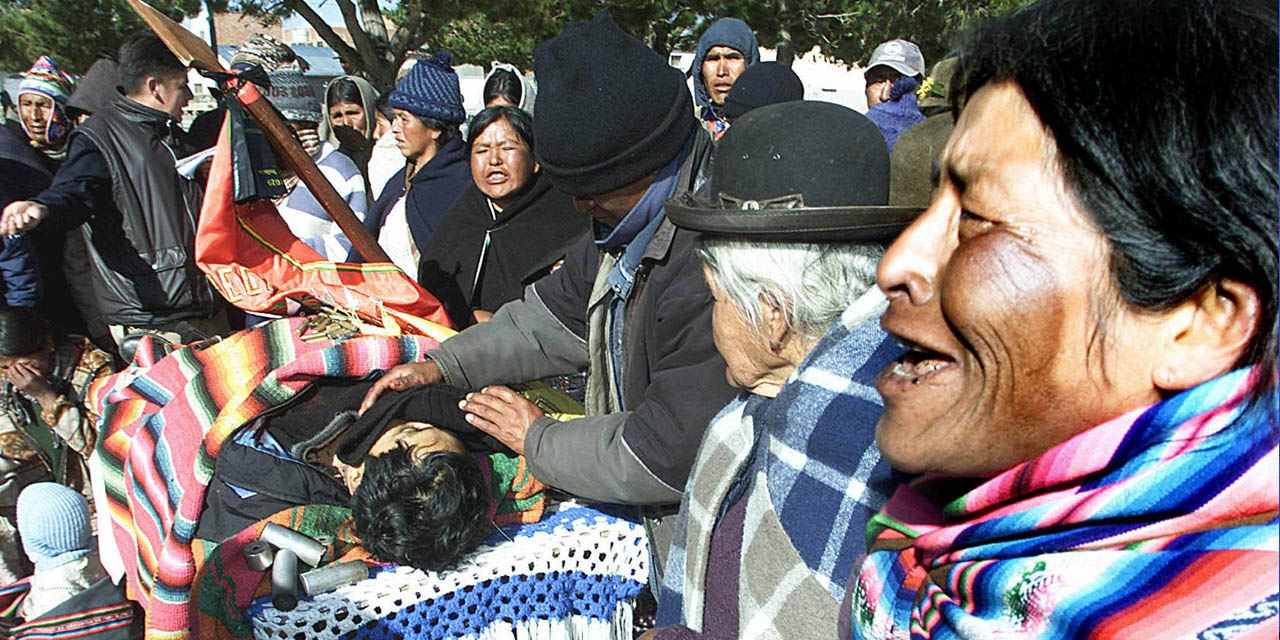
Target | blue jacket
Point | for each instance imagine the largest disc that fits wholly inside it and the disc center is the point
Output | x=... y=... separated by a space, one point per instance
x=432 y=191
x=23 y=173
x=899 y=114
x=19 y=273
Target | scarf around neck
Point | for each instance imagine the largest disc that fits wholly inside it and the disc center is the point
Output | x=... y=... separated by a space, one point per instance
x=1161 y=523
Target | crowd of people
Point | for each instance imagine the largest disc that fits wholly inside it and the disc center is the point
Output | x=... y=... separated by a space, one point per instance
x=997 y=358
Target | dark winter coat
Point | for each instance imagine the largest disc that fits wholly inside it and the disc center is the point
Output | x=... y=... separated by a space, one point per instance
x=120 y=176
x=672 y=383
x=23 y=174
x=432 y=190
x=525 y=240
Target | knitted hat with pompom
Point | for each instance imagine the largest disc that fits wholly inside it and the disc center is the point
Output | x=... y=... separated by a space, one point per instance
x=431 y=90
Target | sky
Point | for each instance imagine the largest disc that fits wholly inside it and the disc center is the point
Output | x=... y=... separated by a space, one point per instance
x=328 y=9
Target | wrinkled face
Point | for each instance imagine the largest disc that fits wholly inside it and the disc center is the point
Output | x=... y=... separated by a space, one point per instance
x=348 y=114
x=720 y=68
x=413 y=137
x=421 y=439
x=175 y=93
x=501 y=163
x=744 y=348
x=1001 y=291
x=36 y=111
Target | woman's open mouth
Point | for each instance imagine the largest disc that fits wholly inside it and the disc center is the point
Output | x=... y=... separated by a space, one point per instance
x=918 y=365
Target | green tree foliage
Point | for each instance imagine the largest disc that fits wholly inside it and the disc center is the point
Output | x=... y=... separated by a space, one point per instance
x=849 y=30
x=480 y=31
x=72 y=32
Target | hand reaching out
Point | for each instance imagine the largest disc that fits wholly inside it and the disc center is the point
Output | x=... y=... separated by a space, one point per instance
x=403 y=376
x=20 y=216
x=501 y=413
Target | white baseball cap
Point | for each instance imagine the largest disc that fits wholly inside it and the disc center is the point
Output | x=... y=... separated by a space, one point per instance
x=902 y=56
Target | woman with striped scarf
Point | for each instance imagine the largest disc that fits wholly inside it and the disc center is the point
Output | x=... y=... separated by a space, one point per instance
x=1088 y=308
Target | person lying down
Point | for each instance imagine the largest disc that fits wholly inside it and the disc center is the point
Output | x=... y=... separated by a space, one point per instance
x=425 y=487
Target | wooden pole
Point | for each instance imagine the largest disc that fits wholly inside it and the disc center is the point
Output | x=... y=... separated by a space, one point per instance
x=196 y=52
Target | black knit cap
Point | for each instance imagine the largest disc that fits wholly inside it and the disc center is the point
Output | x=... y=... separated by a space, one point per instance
x=760 y=85
x=610 y=110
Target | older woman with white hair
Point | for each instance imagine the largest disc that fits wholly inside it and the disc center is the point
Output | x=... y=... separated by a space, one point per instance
x=775 y=510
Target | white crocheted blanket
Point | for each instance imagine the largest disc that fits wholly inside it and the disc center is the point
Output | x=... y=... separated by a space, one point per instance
x=574 y=575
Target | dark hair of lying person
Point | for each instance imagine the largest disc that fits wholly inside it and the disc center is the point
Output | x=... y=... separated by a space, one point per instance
x=1184 y=186
x=517 y=118
x=428 y=515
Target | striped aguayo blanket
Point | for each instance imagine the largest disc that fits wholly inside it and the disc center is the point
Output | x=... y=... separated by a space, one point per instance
x=163 y=423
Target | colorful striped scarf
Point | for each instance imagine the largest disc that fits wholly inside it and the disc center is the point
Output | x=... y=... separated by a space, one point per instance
x=162 y=426
x=1161 y=523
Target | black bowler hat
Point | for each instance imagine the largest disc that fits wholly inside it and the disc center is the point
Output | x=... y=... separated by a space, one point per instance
x=798 y=171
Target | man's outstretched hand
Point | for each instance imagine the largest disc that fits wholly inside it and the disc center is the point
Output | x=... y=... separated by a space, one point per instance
x=20 y=216
x=402 y=376
x=501 y=413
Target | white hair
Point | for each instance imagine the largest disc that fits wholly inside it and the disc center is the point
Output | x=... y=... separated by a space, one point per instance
x=812 y=283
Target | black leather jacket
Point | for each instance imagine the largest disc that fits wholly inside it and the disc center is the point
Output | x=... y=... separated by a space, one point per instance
x=143 y=250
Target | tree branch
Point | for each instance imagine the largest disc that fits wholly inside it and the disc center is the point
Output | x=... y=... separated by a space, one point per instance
x=407 y=36
x=326 y=33
x=364 y=45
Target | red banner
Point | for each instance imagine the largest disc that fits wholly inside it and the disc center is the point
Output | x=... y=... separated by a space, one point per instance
x=258 y=265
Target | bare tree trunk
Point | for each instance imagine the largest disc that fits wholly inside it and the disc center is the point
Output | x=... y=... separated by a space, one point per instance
x=786 y=50
x=213 y=30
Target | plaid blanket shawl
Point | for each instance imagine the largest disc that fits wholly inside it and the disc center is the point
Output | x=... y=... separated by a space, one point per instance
x=1158 y=524
x=163 y=422
x=813 y=476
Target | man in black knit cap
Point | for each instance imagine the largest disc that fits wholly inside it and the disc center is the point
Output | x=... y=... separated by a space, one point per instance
x=615 y=129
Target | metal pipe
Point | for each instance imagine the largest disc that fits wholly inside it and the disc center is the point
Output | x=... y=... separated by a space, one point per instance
x=334 y=576
x=284 y=581
x=308 y=550
x=258 y=555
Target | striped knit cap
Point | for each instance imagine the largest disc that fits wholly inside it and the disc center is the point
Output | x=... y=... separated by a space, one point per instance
x=431 y=90
x=53 y=522
x=46 y=79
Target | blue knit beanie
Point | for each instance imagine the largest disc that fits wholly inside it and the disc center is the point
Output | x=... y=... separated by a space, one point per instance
x=53 y=522
x=431 y=91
